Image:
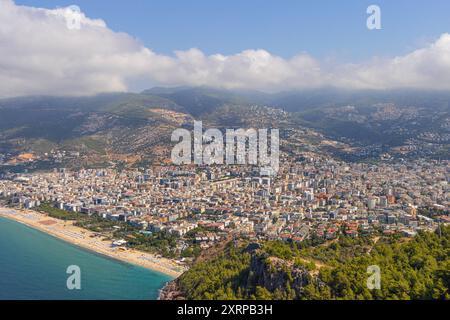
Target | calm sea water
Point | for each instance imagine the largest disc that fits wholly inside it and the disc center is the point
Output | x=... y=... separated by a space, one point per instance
x=33 y=266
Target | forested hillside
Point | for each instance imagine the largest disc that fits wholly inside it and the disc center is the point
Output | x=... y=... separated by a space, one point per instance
x=416 y=268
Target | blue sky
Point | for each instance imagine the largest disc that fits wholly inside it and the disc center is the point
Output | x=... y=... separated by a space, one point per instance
x=324 y=29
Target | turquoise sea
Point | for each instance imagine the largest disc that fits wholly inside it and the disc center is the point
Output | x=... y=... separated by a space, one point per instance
x=33 y=265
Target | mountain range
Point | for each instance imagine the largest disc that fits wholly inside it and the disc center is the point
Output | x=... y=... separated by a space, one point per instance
x=141 y=123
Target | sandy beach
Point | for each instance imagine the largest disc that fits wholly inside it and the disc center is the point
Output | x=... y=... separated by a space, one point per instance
x=65 y=230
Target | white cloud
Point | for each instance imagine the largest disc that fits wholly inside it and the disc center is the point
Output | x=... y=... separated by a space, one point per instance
x=40 y=55
x=427 y=68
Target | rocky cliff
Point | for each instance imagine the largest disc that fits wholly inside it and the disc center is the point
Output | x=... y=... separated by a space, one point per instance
x=171 y=291
x=271 y=273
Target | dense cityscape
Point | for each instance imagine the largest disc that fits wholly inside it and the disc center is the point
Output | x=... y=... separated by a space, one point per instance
x=315 y=198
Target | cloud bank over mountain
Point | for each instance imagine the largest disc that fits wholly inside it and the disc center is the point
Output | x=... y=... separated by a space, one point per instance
x=40 y=54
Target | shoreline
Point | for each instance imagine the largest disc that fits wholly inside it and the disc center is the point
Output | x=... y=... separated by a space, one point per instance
x=88 y=240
